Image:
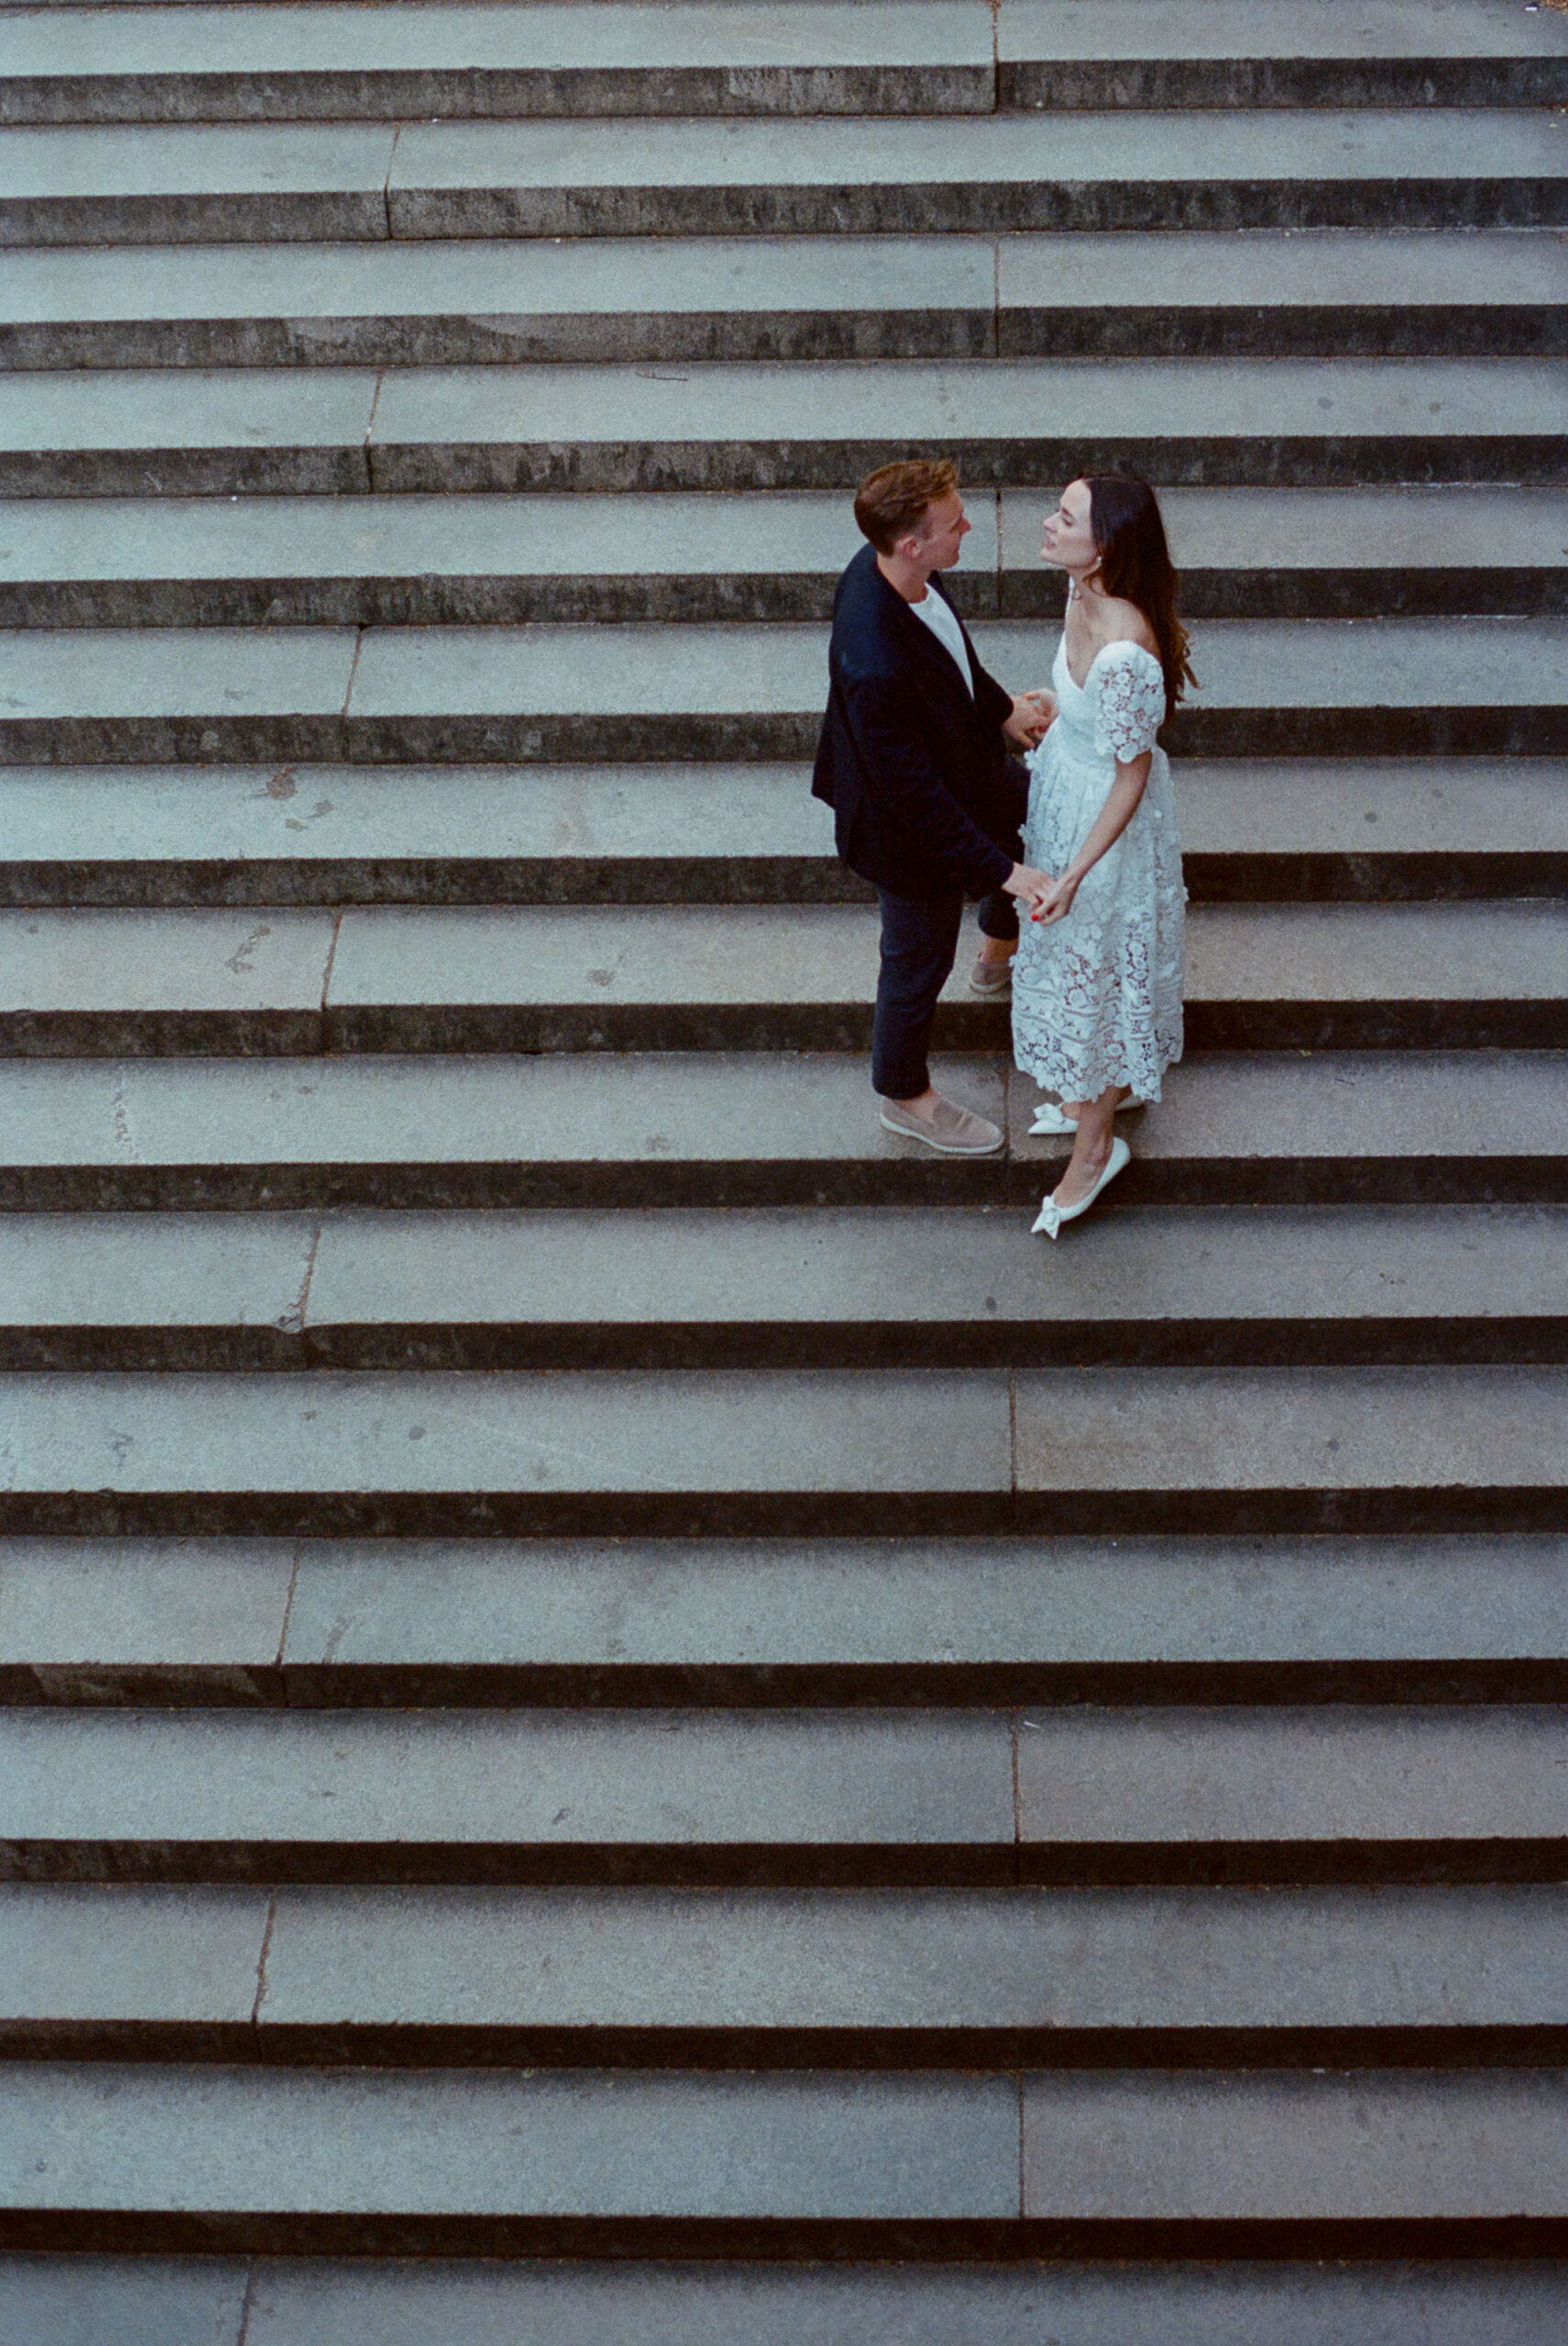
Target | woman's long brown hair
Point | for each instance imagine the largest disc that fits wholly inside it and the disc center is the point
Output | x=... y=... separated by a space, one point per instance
x=1135 y=565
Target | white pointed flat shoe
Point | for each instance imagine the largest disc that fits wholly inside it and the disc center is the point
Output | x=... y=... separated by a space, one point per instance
x=1052 y=1216
x=1050 y=1120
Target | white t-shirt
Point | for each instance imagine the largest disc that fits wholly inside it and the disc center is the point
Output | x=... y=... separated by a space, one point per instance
x=942 y=621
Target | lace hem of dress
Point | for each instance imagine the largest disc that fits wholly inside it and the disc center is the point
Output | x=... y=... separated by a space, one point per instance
x=1083 y=1035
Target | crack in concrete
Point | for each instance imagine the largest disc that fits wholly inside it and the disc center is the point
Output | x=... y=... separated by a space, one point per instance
x=288 y=1604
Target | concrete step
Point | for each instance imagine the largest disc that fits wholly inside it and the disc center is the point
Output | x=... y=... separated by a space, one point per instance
x=239 y=2160
x=1261 y=294
x=782 y=1288
x=207 y=64
x=955 y=57
x=870 y=1798
x=298 y=2301
x=492 y=1622
x=1277 y=978
x=1257 y=831
x=313 y=430
x=1455 y=687
x=763 y=1453
x=757 y=1129
x=862 y=1980
x=119 y=984
x=1411 y=170
x=401 y=560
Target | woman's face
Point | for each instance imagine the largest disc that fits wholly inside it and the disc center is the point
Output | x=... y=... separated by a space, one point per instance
x=1067 y=540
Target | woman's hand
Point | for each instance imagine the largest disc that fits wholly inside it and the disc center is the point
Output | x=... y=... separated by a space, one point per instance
x=1055 y=902
x=1032 y=715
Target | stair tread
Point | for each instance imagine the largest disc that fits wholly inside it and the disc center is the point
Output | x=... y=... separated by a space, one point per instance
x=325 y=39
x=712 y=1963
x=84 y=164
x=752 y=669
x=678 y=535
x=300 y=2301
x=338 y=1278
x=717 y=954
x=1079 y=1777
x=721 y=1108
x=655 y=278
x=258 y=1620
x=587 y=829
x=959 y=402
x=756 y=1451
x=158 y=2140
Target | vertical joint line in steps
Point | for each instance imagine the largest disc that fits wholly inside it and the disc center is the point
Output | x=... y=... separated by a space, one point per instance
x=242 y=2335
x=387 y=184
x=1013 y=1446
x=298 y=1557
x=302 y=1305
x=996 y=297
x=261 y=1965
x=995 y=56
x=359 y=635
x=369 y=428
x=326 y=972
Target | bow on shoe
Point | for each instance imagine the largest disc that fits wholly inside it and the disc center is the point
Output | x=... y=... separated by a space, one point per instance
x=1049 y=1218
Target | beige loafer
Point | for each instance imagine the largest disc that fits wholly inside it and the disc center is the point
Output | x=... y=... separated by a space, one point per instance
x=951 y=1130
x=992 y=981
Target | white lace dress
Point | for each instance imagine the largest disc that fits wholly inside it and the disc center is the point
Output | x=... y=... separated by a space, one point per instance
x=1097 y=996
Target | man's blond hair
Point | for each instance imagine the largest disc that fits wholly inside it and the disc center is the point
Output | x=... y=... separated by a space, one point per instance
x=893 y=501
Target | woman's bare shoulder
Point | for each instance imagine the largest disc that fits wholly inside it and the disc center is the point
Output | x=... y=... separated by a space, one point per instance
x=1122 y=622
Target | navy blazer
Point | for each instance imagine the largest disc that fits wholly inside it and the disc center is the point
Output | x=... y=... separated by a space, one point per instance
x=916 y=769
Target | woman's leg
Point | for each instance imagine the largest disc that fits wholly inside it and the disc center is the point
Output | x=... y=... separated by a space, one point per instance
x=1092 y=1145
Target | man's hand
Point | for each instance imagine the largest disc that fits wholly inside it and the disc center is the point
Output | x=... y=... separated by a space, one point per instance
x=1032 y=715
x=1031 y=886
x=1056 y=901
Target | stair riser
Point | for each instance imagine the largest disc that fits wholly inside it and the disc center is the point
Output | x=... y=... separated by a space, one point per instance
x=481 y=601
x=465 y=738
x=478 y=92
x=915 y=1180
x=1462 y=876
x=1349 y=1862
x=1515 y=2045
x=783 y=2240
x=716 y=1344
x=507 y=1514
x=1456 y=329
x=933 y=209
x=611 y=468
x=1090 y=85
x=478 y=1685
x=1087 y=85
x=788 y=1026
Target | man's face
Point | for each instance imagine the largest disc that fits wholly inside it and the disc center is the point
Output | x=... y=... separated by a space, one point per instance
x=942 y=533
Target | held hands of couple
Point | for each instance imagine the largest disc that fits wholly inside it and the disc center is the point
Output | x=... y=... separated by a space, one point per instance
x=1048 y=899
x=1032 y=715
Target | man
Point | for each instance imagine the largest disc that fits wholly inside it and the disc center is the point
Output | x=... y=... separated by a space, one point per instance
x=927 y=802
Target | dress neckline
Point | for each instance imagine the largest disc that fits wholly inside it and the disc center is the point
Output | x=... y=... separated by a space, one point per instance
x=1131 y=642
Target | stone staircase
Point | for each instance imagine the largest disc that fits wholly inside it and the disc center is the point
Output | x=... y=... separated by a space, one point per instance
x=627 y=1718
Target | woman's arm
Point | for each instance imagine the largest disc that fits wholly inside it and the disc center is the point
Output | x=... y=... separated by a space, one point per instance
x=1120 y=805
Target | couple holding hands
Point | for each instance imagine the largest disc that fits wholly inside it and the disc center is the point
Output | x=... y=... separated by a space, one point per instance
x=931 y=808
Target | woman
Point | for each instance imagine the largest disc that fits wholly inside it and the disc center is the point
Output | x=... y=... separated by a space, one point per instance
x=1097 y=980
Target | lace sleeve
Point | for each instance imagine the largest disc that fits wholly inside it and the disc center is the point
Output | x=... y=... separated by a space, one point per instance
x=1129 y=701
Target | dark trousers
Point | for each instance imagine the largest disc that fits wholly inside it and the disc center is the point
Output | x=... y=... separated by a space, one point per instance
x=919 y=942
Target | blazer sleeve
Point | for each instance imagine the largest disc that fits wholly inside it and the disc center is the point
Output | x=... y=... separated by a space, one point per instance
x=910 y=793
